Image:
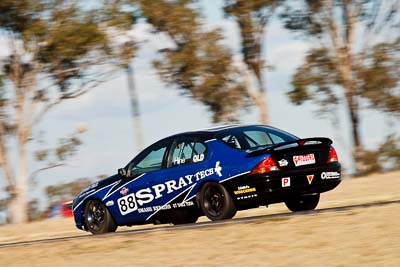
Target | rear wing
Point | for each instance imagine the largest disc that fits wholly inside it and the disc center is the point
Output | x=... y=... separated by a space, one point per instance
x=291 y=144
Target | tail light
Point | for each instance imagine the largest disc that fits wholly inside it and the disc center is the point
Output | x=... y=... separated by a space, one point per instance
x=333 y=157
x=267 y=165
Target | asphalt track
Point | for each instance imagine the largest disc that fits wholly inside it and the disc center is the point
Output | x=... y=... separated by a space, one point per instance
x=204 y=224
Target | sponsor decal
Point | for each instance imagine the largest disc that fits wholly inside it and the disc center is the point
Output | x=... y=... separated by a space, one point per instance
x=310 y=178
x=127 y=204
x=304 y=160
x=133 y=201
x=330 y=175
x=198 y=158
x=178 y=161
x=283 y=162
x=183 y=204
x=150 y=209
x=247 y=197
x=244 y=189
x=109 y=203
x=124 y=191
x=166 y=207
x=218 y=169
x=286 y=182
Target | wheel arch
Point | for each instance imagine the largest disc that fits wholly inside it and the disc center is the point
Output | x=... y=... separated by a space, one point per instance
x=84 y=207
x=201 y=184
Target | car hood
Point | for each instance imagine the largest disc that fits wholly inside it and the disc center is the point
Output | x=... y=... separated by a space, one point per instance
x=96 y=186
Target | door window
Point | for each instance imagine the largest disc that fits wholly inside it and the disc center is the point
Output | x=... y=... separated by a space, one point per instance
x=149 y=160
x=186 y=152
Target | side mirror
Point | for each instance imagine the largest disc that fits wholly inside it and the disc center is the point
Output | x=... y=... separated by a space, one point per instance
x=122 y=172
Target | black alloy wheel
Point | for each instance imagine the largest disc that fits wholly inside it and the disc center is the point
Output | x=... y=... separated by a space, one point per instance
x=215 y=202
x=98 y=219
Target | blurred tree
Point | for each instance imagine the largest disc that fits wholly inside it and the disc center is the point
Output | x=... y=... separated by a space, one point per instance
x=58 y=50
x=57 y=156
x=66 y=191
x=252 y=17
x=385 y=158
x=34 y=212
x=354 y=56
x=196 y=63
x=121 y=14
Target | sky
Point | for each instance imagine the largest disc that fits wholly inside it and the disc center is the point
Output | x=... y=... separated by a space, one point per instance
x=109 y=142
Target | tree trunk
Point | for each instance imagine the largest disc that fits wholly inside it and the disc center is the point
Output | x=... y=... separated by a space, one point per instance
x=19 y=205
x=261 y=106
x=343 y=50
x=261 y=102
x=137 y=126
x=353 y=109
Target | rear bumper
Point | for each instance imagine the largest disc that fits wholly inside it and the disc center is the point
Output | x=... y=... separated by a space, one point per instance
x=272 y=188
x=276 y=187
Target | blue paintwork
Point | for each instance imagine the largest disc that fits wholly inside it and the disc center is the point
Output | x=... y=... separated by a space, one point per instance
x=221 y=163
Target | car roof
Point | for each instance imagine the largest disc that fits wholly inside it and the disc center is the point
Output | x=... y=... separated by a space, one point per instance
x=210 y=133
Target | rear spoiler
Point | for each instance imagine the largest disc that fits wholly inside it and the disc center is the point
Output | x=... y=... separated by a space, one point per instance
x=296 y=143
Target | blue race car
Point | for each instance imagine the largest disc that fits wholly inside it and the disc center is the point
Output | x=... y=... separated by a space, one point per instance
x=212 y=172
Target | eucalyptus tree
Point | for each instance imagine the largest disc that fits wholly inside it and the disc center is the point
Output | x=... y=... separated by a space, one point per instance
x=354 y=57
x=58 y=50
x=252 y=17
x=196 y=62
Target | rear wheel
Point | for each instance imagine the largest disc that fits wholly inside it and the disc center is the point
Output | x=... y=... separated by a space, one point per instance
x=303 y=203
x=215 y=202
x=98 y=219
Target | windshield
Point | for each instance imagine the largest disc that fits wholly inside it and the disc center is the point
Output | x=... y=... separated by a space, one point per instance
x=253 y=137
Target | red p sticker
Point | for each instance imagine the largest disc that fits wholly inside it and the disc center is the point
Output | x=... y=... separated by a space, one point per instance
x=286 y=182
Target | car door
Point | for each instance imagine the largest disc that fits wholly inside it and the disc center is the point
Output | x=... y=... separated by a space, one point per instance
x=134 y=196
x=186 y=164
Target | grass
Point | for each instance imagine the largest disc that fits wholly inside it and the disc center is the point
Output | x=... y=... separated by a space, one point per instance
x=357 y=237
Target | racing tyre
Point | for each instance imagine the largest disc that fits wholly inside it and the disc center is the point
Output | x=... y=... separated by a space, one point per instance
x=97 y=218
x=215 y=202
x=303 y=203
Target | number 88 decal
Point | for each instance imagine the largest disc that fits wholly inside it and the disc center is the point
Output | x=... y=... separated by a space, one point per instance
x=127 y=204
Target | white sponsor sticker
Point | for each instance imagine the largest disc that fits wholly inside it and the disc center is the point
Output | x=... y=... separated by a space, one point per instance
x=127 y=204
x=310 y=178
x=198 y=158
x=304 y=159
x=330 y=175
x=286 y=182
x=283 y=162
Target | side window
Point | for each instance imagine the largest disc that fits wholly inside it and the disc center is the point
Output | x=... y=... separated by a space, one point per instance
x=150 y=160
x=252 y=137
x=276 y=139
x=257 y=138
x=232 y=141
x=186 y=152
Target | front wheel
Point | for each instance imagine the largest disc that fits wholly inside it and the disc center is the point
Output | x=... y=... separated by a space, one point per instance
x=303 y=203
x=215 y=202
x=97 y=218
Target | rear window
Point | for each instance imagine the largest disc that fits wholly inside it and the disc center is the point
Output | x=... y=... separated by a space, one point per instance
x=253 y=137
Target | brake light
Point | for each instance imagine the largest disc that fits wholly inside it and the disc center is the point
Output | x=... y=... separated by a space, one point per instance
x=333 y=157
x=267 y=165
